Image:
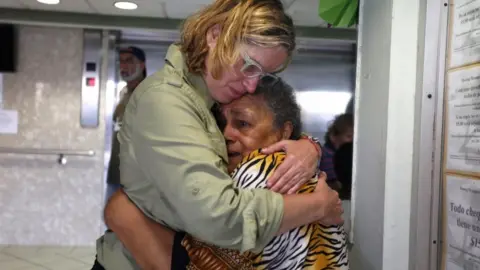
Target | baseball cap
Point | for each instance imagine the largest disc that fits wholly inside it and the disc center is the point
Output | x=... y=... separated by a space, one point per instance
x=137 y=52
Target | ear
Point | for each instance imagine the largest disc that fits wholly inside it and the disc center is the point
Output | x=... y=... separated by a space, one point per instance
x=287 y=130
x=212 y=35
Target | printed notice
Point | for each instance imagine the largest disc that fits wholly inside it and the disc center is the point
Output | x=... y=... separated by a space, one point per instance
x=8 y=122
x=465 y=33
x=462 y=208
x=463 y=129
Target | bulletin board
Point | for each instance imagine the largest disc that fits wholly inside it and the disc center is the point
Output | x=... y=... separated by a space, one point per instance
x=461 y=140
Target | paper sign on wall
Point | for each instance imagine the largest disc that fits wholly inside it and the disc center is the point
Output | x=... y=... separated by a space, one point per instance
x=462 y=205
x=463 y=128
x=465 y=36
x=8 y=122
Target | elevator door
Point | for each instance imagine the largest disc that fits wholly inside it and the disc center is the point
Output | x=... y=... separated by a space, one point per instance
x=324 y=83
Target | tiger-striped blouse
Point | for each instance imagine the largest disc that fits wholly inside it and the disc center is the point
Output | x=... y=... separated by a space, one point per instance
x=312 y=246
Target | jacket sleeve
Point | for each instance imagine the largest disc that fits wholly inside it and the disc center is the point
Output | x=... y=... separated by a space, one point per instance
x=173 y=148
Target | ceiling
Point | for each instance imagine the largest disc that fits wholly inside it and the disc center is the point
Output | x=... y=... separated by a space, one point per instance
x=303 y=12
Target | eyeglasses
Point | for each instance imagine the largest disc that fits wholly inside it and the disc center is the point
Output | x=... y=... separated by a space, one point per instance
x=252 y=69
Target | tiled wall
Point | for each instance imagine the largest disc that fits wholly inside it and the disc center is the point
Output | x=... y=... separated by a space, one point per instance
x=42 y=202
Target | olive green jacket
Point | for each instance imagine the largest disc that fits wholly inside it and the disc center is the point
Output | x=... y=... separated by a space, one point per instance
x=173 y=167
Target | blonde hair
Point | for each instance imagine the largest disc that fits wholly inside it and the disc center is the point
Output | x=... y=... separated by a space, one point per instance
x=255 y=22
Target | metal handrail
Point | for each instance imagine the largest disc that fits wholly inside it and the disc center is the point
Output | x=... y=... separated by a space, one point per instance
x=45 y=151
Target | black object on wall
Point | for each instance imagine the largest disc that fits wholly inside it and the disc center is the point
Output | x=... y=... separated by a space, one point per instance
x=8 y=48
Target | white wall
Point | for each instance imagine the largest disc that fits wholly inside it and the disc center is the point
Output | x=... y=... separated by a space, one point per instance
x=386 y=137
x=370 y=135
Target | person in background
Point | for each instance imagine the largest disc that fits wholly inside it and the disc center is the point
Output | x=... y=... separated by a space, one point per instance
x=343 y=164
x=133 y=72
x=339 y=133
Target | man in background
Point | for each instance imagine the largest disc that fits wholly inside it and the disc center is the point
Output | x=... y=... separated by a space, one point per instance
x=133 y=71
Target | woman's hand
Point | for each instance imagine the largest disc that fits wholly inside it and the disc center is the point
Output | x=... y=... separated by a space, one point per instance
x=298 y=168
x=332 y=207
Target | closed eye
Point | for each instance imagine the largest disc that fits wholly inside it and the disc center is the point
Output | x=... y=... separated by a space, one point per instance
x=242 y=124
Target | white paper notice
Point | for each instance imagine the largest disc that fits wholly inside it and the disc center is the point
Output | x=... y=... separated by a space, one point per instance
x=8 y=122
x=463 y=130
x=462 y=207
x=465 y=36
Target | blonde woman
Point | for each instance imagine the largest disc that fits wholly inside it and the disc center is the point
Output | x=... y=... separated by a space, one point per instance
x=173 y=158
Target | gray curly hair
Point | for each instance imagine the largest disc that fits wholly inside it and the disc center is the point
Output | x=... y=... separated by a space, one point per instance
x=280 y=98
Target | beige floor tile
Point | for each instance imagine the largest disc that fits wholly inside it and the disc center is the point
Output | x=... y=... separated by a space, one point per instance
x=5 y=257
x=83 y=251
x=38 y=259
x=66 y=264
x=88 y=259
x=46 y=258
x=17 y=265
x=55 y=250
x=83 y=255
x=21 y=252
x=82 y=268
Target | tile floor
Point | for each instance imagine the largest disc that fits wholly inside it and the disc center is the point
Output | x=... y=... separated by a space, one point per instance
x=46 y=258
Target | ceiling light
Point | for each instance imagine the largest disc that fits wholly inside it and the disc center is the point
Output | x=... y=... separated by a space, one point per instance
x=49 y=2
x=126 y=5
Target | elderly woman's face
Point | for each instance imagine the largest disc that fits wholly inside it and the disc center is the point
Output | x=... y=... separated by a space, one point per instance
x=248 y=125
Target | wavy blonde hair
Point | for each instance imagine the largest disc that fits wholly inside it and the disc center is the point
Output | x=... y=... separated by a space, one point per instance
x=254 y=22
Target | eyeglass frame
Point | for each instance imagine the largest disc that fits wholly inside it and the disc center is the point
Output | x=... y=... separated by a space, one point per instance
x=250 y=62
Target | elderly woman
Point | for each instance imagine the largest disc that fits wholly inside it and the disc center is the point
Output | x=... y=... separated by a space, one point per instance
x=250 y=123
x=173 y=156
